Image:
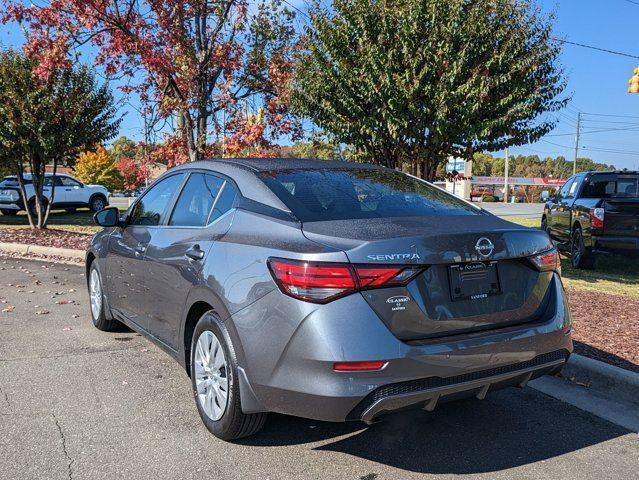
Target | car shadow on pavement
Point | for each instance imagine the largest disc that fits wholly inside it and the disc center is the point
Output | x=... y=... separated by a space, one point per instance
x=509 y=429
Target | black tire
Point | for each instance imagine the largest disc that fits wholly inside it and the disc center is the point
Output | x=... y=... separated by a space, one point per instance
x=9 y=213
x=100 y=321
x=580 y=257
x=97 y=203
x=233 y=424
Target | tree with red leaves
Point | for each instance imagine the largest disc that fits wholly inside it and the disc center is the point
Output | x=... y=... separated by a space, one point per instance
x=208 y=63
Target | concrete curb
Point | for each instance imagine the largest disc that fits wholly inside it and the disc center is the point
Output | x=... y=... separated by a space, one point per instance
x=23 y=249
x=610 y=380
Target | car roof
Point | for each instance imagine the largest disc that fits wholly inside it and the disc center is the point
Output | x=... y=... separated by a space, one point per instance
x=244 y=172
x=608 y=172
x=284 y=163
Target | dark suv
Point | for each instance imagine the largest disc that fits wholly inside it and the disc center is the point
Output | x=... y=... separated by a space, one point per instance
x=328 y=290
x=595 y=212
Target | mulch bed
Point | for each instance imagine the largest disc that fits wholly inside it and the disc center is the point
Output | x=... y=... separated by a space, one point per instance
x=48 y=237
x=606 y=327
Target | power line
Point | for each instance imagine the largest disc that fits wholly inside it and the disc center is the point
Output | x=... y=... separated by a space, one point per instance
x=632 y=128
x=607 y=122
x=556 y=144
x=609 y=115
x=631 y=1
x=297 y=8
x=605 y=150
x=592 y=47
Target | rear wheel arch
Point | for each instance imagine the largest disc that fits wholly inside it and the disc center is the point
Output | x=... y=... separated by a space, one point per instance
x=576 y=225
x=89 y=262
x=194 y=314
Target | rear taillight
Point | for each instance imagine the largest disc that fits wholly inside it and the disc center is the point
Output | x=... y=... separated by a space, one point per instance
x=320 y=282
x=597 y=218
x=547 y=261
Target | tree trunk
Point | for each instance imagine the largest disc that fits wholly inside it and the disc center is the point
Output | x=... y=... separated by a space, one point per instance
x=38 y=170
x=48 y=210
x=23 y=193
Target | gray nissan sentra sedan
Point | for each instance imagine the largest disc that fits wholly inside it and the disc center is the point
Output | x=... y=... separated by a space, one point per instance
x=328 y=290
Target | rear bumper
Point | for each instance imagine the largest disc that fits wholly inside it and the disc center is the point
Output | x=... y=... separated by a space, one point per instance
x=615 y=244
x=428 y=392
x=292 y=372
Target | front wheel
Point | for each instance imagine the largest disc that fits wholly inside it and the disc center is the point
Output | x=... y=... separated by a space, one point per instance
x=97 y=203
x=580 y=257
x=214 y=379
x=96 y=298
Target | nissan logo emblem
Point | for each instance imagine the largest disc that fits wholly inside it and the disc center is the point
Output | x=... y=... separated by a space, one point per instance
x=484 y=247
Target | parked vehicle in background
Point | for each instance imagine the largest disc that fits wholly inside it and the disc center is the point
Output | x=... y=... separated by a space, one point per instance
x=328 y=290
x=595 y=213
x=69 y=194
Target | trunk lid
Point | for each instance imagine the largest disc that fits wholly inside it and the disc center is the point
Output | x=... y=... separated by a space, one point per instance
x=473 y=278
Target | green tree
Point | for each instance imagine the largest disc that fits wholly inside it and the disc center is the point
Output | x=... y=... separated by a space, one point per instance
x=417 y=81
x=49 y=121
x=317 y=146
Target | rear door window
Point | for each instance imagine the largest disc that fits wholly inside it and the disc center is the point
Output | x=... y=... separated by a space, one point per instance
x=196 y=201
x=225 y=201
x=340 y=194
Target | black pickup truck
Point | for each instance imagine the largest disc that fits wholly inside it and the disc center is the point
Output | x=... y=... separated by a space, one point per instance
x=595 y=212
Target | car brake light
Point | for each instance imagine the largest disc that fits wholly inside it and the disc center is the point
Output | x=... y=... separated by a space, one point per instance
x=597 y=218
x=321 y=282
x=358 y=366
x=547 y=261
x=313 y=282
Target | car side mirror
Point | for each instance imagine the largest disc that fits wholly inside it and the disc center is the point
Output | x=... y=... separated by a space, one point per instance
x=108 y=217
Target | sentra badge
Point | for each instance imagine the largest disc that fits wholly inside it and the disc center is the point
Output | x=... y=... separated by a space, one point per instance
x=393 y=257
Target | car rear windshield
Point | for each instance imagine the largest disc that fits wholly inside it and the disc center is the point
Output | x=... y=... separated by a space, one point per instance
x=611 y=186
x=340 y=194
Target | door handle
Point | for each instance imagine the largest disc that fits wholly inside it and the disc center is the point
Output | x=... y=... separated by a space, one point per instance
x=195 y=253
x=141 y=249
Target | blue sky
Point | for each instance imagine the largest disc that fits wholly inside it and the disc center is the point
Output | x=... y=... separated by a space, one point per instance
x=597 y=80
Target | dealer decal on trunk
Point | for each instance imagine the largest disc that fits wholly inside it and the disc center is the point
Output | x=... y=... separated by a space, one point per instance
x=398 y=302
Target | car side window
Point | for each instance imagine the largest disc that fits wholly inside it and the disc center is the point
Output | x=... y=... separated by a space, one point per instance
x=572 y=191
x=196 y=200
x=150 y=208
x=224 y=202
x=68 y=182
x=563 y=193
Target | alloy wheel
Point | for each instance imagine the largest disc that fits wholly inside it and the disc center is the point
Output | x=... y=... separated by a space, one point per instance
x=98 y=204
x=95 y=292
x=211 y=375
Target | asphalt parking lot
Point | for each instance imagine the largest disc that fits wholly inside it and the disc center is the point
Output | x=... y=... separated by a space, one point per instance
x=82 y=404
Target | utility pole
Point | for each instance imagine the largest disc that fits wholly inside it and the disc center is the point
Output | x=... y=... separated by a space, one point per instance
x=574 y=163
x=506 y=178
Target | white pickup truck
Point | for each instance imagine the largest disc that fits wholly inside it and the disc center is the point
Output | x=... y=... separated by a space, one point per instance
x=69 y=194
